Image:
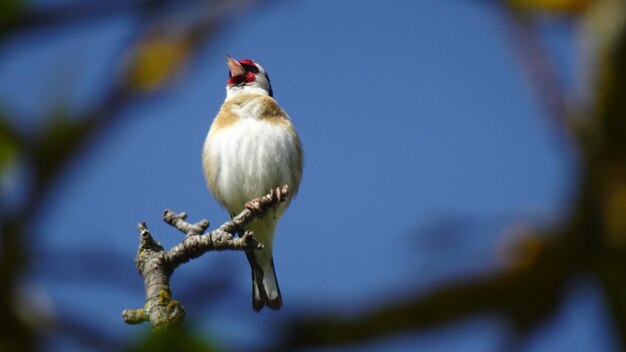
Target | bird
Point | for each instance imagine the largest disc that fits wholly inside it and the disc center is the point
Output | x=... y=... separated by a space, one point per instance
x=252 y=148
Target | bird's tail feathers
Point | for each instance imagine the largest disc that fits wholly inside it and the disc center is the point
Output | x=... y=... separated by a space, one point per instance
x=265 y=289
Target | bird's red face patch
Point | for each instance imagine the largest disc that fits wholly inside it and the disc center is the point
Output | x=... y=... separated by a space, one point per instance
x=248 y=77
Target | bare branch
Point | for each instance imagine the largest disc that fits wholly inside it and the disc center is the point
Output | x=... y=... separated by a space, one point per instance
x=157 y=265
x=178 y=221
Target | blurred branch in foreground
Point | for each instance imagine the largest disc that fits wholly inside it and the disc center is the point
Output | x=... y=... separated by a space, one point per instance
x=18 y=15
x=590 y=241
x=526 y=296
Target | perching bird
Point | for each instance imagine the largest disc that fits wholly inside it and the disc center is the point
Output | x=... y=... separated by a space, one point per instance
x=251 y=149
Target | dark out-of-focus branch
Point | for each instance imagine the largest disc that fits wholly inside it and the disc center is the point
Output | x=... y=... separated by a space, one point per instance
x=607 y=168
x=24 y=18
x=526 y=296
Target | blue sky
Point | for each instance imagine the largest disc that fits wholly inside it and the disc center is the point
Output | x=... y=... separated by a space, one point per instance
x=411 y=115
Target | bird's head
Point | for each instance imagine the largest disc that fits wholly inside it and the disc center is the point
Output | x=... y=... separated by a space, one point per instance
x=246 y=76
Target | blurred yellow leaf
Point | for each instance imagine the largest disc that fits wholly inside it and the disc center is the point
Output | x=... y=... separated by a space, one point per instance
x=604 y=23
x=556 y=6
x=155 y=61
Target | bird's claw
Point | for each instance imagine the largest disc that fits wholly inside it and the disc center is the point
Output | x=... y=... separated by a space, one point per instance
x=254 y=205
x=277 y=193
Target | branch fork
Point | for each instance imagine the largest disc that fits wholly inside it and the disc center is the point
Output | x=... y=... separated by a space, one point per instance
x=156 y=265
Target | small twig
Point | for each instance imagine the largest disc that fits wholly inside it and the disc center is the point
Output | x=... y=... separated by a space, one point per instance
x=178 y=221
x=157 y=265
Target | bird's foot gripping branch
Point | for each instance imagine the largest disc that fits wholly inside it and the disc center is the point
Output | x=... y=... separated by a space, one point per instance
x=157 y=265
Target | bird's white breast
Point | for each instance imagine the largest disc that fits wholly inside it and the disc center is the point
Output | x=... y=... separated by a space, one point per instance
x=247 y=158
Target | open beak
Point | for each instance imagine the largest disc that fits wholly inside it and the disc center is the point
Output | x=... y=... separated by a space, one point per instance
x=234 y=66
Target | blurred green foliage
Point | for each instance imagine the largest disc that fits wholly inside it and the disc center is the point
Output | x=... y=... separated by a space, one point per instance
x=176 y=339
